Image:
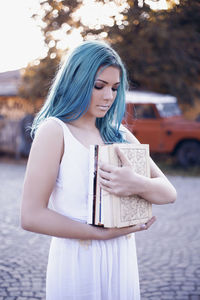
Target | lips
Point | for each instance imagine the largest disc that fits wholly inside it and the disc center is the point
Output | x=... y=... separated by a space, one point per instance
x=103 y=107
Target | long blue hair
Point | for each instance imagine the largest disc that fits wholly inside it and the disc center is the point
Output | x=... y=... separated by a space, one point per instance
x=70 y=95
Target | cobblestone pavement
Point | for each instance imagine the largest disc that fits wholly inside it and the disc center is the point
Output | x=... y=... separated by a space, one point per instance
x=168 y=253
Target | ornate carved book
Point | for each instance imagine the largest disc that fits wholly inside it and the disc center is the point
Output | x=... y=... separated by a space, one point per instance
x=108 y=210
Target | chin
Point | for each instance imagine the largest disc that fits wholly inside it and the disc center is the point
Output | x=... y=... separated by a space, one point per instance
x=101 y=115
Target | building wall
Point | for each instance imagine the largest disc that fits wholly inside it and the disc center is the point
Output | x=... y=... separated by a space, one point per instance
x=15 y=116
x=15 y=108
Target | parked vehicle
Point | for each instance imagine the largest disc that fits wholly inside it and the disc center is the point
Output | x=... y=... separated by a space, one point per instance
x=157 y=120
x=154 y=119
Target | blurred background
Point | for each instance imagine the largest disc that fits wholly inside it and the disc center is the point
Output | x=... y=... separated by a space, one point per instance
x=159 y=42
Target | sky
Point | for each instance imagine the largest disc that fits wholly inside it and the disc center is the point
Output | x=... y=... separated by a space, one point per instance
x=20 y=38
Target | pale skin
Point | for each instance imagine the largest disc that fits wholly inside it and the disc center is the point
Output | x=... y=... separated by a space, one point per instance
x=43 y=166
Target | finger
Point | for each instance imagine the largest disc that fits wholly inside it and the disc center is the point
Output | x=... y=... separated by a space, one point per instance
x=106 y=167
x=124 y=160
x=103 y=182
x=151 y=221
x=148 y=224
x=136 y=228
x=104 y=175
x=106 y=186
x=141 y=227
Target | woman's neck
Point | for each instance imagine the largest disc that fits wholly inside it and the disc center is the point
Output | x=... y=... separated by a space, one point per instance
x=84 y=123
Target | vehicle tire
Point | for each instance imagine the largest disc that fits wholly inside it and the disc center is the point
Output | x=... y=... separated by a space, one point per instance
x=188 y=154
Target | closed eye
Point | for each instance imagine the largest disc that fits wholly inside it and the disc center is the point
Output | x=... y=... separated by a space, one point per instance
x=98 y=87
x=114 y=89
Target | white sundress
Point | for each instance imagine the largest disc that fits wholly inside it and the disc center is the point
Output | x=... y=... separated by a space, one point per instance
x=86 y=270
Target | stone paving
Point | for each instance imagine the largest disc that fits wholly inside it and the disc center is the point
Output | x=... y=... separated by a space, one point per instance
x=168 y=253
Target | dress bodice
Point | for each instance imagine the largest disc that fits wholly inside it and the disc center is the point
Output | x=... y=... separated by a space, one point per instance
x=70 y=193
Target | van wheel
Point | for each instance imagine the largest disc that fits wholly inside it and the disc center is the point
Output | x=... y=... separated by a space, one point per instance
x=188 y=154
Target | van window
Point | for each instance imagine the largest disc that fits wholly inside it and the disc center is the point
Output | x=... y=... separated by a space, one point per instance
x=143 y=111
x=168 y=109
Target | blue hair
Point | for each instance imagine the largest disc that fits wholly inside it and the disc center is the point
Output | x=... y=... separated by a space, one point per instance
x=70 y=95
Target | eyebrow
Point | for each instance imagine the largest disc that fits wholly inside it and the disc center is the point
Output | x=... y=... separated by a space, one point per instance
x=107 y=82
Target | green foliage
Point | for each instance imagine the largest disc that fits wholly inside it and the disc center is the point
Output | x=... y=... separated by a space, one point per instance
x=170 y=167
x=55 y=15
x=37 y=78
x=161 y=49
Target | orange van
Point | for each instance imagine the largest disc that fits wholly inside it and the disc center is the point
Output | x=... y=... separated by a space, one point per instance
x=157 y=120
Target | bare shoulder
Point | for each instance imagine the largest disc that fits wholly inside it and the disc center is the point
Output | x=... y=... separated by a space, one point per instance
x=48 y=141
x=128 y=135
x=49 y=126
x=44 y=162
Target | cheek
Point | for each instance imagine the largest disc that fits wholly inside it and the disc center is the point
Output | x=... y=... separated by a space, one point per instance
x=114 y=97
x=95 y=96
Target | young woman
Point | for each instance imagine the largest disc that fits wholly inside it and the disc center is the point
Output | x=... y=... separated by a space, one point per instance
x=85 y=106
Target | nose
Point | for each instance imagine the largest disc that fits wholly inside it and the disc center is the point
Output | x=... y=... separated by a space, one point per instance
x=108 y=94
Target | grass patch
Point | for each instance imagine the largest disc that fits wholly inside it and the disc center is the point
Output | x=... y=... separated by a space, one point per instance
x=170 y=167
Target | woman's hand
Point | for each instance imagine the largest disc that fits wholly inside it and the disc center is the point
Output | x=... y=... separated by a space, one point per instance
x=123 y=181
x=109 y=233
x=120 y=181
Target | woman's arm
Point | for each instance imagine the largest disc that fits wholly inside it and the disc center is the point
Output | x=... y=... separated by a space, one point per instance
x=125 y=182
x=42 y=169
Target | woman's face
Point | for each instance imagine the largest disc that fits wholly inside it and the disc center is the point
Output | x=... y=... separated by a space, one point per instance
x=104 y=91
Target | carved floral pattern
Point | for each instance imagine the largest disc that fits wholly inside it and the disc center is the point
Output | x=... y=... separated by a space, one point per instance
x=134 y=208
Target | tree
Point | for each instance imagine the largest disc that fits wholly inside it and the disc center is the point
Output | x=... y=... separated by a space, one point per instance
x=36 y=78
x=52 y=16
x=161 y=49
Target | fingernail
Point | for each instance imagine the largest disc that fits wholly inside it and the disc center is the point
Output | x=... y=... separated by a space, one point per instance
x=143 y=226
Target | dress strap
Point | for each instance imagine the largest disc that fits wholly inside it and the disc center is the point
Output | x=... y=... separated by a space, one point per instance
x=123 y=130
x=62 y=124
x=66 y=132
